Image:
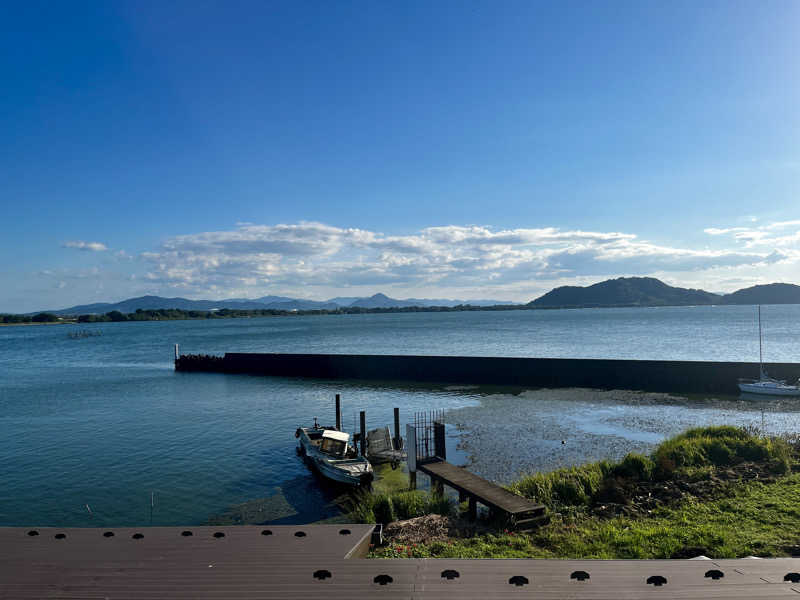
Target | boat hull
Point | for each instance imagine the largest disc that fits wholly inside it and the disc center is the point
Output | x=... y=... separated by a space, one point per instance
x=769 y=390
x=354 y=472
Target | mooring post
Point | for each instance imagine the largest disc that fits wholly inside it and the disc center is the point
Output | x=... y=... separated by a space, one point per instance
x=363 y=418
x=396 y=428
x=176 y=352
x=338 y=413
x=411 y=450
x=439 y=449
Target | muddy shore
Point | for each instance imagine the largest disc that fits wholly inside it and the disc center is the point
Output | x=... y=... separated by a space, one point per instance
x=511 y=434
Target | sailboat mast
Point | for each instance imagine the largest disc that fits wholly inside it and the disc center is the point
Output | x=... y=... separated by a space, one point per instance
x=760 y=354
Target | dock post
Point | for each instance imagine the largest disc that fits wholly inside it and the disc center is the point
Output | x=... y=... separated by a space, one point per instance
x=473 y=508
x=363 y=418
x=439 y=449
x=396 y=428
x=176 y=352
x=338 y=413
x=411 y=450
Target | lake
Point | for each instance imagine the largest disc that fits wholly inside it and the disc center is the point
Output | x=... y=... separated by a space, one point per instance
x=100 y=431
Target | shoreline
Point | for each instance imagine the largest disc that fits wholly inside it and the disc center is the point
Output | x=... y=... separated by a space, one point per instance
x=555 y=428
x=33 y=323
x=718 y=492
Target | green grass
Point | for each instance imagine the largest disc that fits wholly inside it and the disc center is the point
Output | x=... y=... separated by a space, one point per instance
x=691 y=454
x=750 y=518
x=756 y=519
x=399 y=506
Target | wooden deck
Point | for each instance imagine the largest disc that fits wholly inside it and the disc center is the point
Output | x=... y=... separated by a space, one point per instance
x=320 y=561
x=521 y=511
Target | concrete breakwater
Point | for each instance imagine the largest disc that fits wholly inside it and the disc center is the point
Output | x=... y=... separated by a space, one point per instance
x=648 y=375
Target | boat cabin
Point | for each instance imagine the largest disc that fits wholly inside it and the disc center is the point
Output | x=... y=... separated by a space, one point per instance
x=334 y=443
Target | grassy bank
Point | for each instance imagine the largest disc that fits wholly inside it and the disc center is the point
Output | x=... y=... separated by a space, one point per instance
x=720 y=491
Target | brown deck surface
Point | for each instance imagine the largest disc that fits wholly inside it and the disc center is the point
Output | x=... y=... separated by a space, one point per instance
x=486 y=492
x=244 y=564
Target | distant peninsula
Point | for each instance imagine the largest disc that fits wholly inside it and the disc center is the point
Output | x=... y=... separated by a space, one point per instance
x=648 y=291
x=620 y=292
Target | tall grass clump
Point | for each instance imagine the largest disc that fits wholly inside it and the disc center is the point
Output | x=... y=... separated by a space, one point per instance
x=571 y=486
x=383 y=508
x=721 y=446
x=410 y=504
x=439 y=504
x=386 y=507
x=635 y=466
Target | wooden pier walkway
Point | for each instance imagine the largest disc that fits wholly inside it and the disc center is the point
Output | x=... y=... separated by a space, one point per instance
x=521 y=512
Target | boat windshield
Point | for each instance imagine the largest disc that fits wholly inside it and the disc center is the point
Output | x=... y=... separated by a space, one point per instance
x=333 y=447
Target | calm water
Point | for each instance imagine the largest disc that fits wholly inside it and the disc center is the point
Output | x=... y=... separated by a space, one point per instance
x=105 y=421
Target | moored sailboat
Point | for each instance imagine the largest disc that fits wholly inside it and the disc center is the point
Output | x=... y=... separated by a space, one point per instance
x=766 y=385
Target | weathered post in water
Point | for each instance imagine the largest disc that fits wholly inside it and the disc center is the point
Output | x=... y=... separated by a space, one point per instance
x=338 y=413
x=363 y=418
x=396 y=441
x=411 y=450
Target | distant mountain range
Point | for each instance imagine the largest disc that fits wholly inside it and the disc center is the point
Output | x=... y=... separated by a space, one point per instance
x=647 y=291
x=267 y=302
x=624 y=291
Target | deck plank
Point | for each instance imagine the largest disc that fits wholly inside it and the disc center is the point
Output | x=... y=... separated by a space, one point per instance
x=244 y=565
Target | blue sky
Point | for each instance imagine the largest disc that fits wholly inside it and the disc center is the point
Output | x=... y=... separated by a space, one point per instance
x=431 y=149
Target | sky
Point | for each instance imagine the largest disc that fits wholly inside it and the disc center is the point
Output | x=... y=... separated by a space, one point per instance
x=465 y=150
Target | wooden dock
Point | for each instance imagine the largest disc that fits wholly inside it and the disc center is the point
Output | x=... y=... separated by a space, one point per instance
x=321 y=561
x=521 y=512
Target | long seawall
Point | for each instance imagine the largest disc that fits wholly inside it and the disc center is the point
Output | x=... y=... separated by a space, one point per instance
x=649 y=375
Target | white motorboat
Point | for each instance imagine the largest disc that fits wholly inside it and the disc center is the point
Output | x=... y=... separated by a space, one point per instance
x=330 y=452
x=766 y=385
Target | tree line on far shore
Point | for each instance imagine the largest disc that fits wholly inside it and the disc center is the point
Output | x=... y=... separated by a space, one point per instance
x=175 y=314
x=37 y=318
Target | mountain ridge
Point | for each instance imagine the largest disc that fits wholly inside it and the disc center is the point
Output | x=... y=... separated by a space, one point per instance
x=151 y=302
x=649 y=291
x=622 y=291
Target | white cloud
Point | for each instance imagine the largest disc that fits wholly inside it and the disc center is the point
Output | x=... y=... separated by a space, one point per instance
x=777 y=234
x=293 y=258
x=89 y=246
x=716 y=231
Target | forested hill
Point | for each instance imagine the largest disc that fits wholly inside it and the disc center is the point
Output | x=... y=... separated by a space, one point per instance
x=773 y=293
x=625 y=291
